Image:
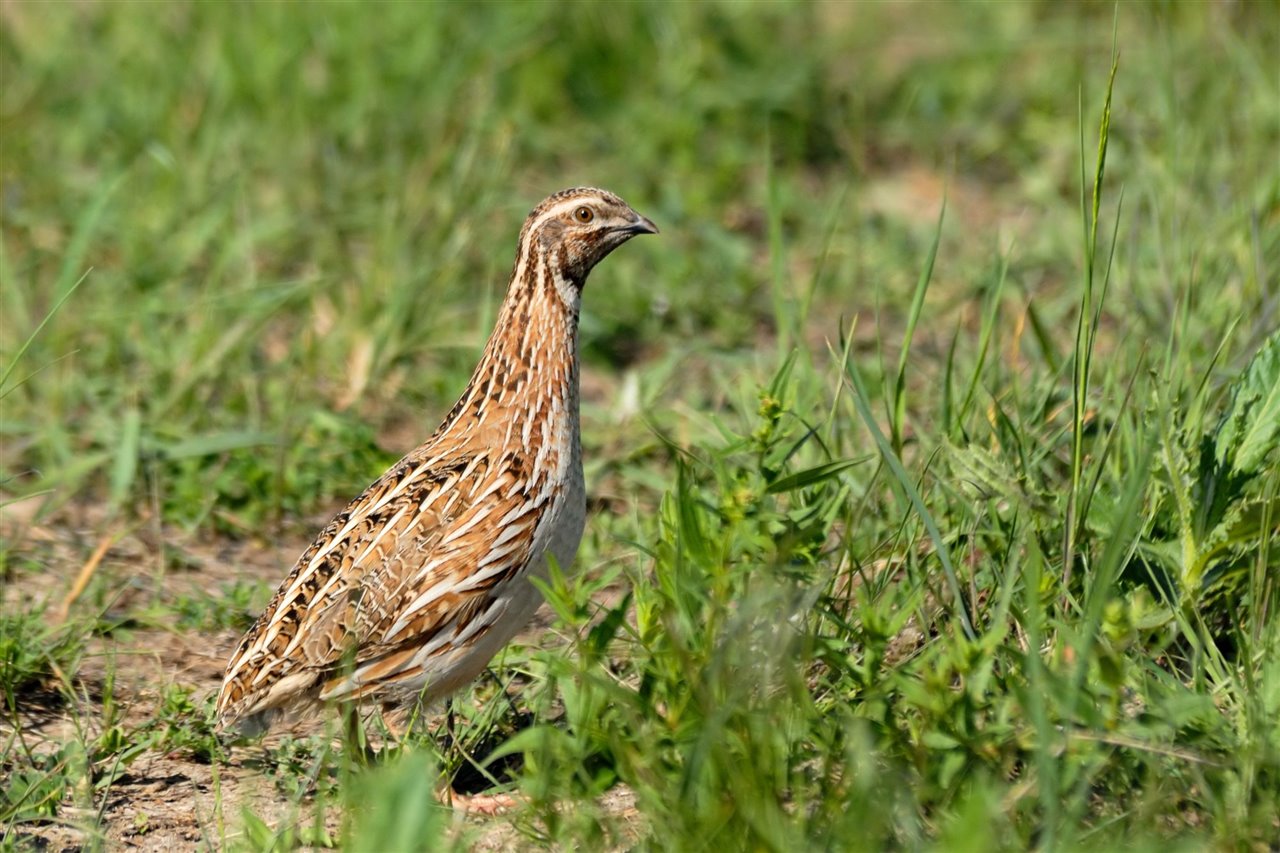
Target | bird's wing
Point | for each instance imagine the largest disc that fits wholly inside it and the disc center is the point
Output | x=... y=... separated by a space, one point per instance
x=412 y=562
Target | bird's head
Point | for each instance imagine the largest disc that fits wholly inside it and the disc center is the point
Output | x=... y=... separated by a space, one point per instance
x=575 y=229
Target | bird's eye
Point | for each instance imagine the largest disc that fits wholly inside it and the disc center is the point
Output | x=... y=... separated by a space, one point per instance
x=584 y=215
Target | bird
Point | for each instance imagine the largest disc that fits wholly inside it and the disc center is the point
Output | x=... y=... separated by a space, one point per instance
x=408 y=592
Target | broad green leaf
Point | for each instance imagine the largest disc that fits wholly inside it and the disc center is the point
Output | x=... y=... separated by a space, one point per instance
x=1250 y=428
x=989 y=476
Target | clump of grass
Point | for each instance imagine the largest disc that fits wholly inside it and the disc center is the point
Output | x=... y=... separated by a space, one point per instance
x=395 y=809
x=182 y=724
x=36 y=655
x=240 y=482
x=233 y=606
x=775 y=680
x=37 y=789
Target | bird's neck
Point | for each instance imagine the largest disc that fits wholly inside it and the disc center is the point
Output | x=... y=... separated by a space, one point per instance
x=529 y=368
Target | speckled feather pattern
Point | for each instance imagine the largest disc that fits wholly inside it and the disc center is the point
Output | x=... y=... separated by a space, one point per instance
x=409 y=591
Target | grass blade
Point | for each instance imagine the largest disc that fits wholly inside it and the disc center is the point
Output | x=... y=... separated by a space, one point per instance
x=1085 y=325
x=913 y=317
x=17 y=357
x=863 y=405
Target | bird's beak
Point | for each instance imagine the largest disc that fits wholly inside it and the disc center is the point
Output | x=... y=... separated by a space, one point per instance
x=641 y=225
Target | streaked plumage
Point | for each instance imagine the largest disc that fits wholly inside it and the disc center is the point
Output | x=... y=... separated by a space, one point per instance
x=410 y=590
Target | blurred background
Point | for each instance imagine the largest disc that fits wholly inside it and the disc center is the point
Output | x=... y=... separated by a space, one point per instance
x=295 y=221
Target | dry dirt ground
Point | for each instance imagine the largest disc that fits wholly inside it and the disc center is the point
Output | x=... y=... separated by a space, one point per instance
x=165 y=801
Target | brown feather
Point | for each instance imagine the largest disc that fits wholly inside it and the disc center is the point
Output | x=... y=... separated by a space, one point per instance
x=407 y=593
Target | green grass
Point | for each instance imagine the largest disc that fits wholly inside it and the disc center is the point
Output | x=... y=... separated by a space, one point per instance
x=911 y=528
